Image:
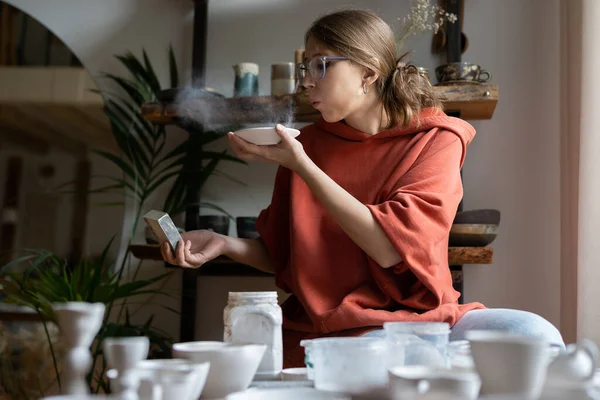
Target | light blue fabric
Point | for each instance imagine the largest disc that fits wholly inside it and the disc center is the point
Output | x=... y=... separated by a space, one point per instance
x=514 y=321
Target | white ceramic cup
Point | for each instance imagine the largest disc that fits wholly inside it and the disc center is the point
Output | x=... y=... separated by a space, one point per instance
x=509 y=364
x=450 y=384
x=409 y=382
x=426 y=382
x=164 y=379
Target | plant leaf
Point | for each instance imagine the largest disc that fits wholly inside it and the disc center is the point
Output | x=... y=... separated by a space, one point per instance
x=129 y=87
x=173 y=70
x=121 y=125
x=126 y=168
x=153 y=80
x=142 y=128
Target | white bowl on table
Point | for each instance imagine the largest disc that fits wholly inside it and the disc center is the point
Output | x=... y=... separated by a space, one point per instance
x=232 y=365
x=287 y=394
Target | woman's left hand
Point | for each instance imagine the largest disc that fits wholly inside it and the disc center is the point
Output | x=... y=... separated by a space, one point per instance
x=288 y=153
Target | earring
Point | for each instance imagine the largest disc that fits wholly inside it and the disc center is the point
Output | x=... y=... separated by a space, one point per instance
x=365 y=88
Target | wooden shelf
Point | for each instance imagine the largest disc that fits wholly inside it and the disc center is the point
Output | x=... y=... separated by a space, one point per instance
x=472 y=102
x=223 y=266
x=14 y=313
x=52 y=106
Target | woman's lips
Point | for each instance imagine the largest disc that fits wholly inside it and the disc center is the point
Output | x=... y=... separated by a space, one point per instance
x=315 y=103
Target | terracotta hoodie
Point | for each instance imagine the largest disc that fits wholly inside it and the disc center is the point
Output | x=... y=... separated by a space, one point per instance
x=409 y=178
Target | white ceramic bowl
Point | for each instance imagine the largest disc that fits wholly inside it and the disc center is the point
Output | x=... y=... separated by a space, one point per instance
x=287 y=394
x=232 y=366
x=171 y=378
x=83 y=397
x=264 y=136
x=431 y=382
x=181 y=379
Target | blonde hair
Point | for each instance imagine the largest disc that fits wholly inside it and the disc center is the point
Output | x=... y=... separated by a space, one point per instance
x=367 y=40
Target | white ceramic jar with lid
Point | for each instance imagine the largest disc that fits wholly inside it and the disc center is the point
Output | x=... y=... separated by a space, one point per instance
x=255 y=317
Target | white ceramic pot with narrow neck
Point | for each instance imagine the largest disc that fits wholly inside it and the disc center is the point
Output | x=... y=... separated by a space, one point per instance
x=79 y=323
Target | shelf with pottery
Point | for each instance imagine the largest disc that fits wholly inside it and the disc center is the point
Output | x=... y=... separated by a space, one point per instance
x=470 y=101
x=44 y=107
x=226 y=266
x=14 y=313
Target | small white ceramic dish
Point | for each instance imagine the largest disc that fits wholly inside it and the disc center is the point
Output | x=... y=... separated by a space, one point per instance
x=294 y=374
x=264 y=136
x=287 y=394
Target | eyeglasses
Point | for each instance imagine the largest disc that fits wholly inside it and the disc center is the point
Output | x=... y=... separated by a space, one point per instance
x=316 y=67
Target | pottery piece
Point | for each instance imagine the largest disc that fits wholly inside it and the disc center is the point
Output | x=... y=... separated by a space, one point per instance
x=123 y=354
x=461 y=71
x=245 y=227
x=232 y=365
x=246 y=79
x=417 y=343
x=477 y=235
x=287 y=394
x=215 y=223
x=423 y=382
x=509 y=364
x=164 y=379
x=294 y=374
x=264 y=136
x=481 y=216
x=353 y=365
x=83 y=397
x=571 y=373
x=78 y=322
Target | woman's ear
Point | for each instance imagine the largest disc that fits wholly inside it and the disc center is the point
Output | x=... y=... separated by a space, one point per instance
x=369 y=76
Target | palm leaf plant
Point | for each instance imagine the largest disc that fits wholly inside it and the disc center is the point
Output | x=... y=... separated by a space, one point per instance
x=146 y=166
x=144 y=162
x=44 y=279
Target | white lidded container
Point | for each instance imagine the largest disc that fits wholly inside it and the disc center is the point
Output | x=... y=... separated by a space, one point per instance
x=352 y=365
x=255 y=317
x=418 y=343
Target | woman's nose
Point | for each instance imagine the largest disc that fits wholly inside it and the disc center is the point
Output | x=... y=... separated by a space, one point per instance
x=308 y=82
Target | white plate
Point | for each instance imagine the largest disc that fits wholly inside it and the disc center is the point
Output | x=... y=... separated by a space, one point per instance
x=287 y=394
x=264 y=136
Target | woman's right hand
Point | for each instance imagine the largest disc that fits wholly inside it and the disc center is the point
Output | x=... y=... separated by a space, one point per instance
x=196 y=248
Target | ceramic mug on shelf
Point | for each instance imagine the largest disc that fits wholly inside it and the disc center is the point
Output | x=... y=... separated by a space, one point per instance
x=461 y=71
x=246 y=80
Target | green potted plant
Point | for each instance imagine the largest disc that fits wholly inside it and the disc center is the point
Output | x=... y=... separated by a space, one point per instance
x=145 y=163
x=40 y=278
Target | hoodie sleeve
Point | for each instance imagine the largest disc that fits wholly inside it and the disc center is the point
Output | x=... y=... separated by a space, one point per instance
x=417 y=216
x=273 y=224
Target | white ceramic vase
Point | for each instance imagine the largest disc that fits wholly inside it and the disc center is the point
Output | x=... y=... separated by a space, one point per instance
x=78 y=322
x=123 y=354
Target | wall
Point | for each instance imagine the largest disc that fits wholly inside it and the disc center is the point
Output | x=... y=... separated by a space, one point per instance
x=513 y=164
x=95 y=31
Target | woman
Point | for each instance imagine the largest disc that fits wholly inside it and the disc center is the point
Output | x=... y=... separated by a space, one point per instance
x=357 y=229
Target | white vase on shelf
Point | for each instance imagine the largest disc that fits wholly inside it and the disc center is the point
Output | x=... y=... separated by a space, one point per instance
x=78 y=322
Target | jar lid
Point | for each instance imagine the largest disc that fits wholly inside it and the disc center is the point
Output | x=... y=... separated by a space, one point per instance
x=236 y=296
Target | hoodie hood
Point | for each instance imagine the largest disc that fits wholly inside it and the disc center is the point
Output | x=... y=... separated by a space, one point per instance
x=428 y=119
